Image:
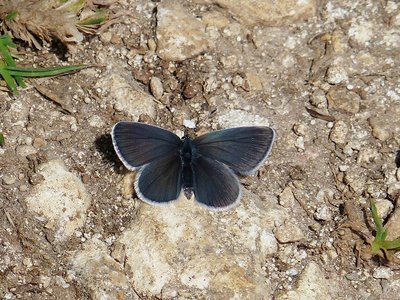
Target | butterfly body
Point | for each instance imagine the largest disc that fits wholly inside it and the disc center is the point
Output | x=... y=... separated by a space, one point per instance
x=207 y=166
x=186 y=153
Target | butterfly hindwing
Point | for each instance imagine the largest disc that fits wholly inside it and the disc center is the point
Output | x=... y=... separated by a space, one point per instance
x=160 y=180
x=138 y=144
x=243 y=149
x=214 y=184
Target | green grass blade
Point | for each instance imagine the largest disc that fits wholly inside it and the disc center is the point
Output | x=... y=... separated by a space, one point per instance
x=44 y=72
x=1 y=139
x=9 y=80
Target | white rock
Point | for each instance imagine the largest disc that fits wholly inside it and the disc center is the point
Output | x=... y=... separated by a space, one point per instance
x=289 y=232
x=336 y=75
x=103 y=277
x=126 y=94
x=312 y=284
x=286 y=198
x=189 y=124
x=179 y=34
x=382 y=273
x=61 y=198
x=236 y=118
x=184 y=247
x=323 y=213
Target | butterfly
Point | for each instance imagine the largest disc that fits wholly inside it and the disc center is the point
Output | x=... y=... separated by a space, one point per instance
x=207 y=166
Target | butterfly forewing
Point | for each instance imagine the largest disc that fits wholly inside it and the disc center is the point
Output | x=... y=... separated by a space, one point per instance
x=138 y=144
x=160 y=180
x=214 y=184
x=242 y=149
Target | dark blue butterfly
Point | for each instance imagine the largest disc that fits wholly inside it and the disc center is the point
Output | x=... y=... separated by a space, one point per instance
x=207 y=165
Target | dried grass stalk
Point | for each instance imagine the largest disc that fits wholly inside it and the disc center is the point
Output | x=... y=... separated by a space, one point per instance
x=38 y=19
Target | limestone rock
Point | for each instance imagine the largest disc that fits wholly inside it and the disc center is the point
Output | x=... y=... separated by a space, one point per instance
x=100 y=273
x=267 y=12
x=126 y=94
x=179 y=34
x=187 y=248
x=61 y=198
x=312 y=284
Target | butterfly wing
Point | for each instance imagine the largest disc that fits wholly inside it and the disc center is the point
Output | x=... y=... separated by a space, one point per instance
x=243 y=149
x=160 y=180
x=214 y=184
x=137 y=144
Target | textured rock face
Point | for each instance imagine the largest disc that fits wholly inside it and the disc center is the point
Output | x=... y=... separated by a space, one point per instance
x=103 y=276
x=179 y=34
x=269 y=12
x=183 y=249
x=61 y=198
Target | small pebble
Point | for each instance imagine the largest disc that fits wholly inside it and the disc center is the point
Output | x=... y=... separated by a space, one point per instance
x=339 y=132
x=382 y=273
x=384 y=207
x=299 y=144
x=189 y=124
x=27 y=262
x=336 y=75
x=9 y=179
x=39 y=143
x=323 y=213
x=156 y=87
x=288 y=233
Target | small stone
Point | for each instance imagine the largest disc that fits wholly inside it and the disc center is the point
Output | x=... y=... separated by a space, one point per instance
x=189 y=124
x=336 y=75
x=179 y=34
x=386 y=124
x=318 y=99
x=312 y=284
x=237 y=81
x=299 y=143
x=289 y=233
x=382 y=273
x=25 y=150
x=300 y=129
x=9 y=179
x=368 y=155
x=384 y=207
x=339 y=132
x=323 y=213
x=27 y=262
x=23 y=188
x=324 y=195
x=356 y=179
x=39 y=143
x=60 y=197
x=191 y=89
x=286 y=198
x=118 y=252
x=292 y=271
x=342 y=100
x=96 y=121
x=156 y=87
x=229 y=62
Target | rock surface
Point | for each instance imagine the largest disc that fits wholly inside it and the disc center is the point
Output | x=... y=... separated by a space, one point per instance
x=102 y=275
x=61 y=198
x=179 y=34
x=267 y=12
x=184 y=249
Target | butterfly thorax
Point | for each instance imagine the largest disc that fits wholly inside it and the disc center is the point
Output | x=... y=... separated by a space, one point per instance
x=186 y=159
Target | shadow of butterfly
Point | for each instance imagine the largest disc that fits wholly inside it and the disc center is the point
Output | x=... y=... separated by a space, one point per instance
x=206 y=166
